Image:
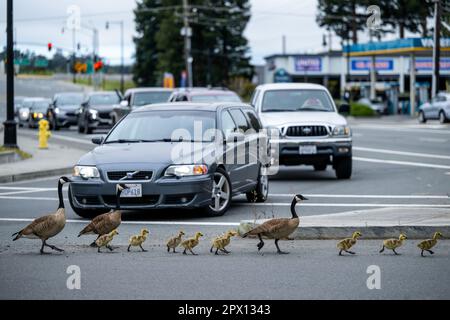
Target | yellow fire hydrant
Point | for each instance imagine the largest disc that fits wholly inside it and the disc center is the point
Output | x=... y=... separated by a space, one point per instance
x=44 y=134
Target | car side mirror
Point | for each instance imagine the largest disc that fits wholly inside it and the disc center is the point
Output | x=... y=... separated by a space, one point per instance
x=124 y=104
x=98 y=140
x=344 y=108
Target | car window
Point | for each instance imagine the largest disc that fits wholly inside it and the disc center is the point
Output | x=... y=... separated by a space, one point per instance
x=228 y=124
x=64 y=100
x=254 y=98
x=239 y=119
x=253 y=119
x=296 y=100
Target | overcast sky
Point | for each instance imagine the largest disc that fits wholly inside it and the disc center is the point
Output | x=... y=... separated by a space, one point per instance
x=38 y=22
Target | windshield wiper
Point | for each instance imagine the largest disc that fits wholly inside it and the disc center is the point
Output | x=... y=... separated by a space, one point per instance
x=312 y=109
x=123 y=141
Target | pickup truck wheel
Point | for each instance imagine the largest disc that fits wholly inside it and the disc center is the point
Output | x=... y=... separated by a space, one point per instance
x=343 y=167
x=320 y=167
x=261 y=192
x=85 y=213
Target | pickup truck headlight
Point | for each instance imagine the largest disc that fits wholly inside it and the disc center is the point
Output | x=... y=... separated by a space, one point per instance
x=186 y=170
x=342 y=131
x=86 y=172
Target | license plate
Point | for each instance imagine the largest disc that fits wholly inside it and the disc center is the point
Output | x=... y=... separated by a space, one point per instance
x=308 y=149
x=133 y=191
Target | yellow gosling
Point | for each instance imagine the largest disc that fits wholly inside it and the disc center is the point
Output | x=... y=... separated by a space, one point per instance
x=426 y=245
x=346 y=244
x=104 y=240
x=191 y=243
x=393 y=244
x=222 y=241
x=174 y=242
x=138 y=240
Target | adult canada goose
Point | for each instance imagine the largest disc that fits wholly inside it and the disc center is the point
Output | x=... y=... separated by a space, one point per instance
x=107 y=222
x=47 y=226
x=278 y=228
x=426 y=245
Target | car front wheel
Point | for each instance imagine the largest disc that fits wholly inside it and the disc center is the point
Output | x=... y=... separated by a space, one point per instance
x=343 y=167
x=220 y=195
x=442 y=117
x=261 y=192
x=422 y=118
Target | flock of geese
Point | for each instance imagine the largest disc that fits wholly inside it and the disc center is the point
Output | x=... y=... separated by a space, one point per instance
x=105 y=227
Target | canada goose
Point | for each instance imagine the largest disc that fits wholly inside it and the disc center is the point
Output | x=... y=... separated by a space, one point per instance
x=138 y=240
x=191 y=243
x=105 y=239
x=278 y=228
x=393 y=243
x=222 y=241
x=174 y=242
x=346 y=244
x=107 y=222
x=47 y=226
x=426 y=245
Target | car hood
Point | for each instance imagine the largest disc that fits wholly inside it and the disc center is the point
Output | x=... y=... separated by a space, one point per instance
x=279 y=119
x=70 y=108
x=103 y=108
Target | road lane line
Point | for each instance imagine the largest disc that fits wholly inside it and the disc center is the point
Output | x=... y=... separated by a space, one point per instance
x=20 y=192
x=403 y=163
x=375 y=205
x=437 y=140
x=404 y=129
x=368 y=196
x=403 y=153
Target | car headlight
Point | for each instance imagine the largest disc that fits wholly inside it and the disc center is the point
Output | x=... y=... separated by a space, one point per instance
x=85 y=172
x=186 y=170
x=341 y=131
x=93 y=113
x=56 y=110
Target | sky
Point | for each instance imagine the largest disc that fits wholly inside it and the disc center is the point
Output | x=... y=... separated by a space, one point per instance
x=38 y=22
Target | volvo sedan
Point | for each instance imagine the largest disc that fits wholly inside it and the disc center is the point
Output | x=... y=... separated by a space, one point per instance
x=178 y=155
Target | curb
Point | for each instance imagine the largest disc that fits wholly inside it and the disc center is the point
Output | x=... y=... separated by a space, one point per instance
x=368 y=232
x=35 y=174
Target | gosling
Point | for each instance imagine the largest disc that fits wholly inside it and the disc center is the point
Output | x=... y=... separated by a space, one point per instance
x=104 y=240
x=220 y=242
x=426 y=245
x=138 y=240
x=174 y=242
x=394 y=243
x=191 y=243
x=346 y=244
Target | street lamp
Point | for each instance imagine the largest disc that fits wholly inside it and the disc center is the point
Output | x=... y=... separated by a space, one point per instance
x=122 y=64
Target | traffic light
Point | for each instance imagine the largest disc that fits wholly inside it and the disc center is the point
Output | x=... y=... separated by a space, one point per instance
x=50 y=46
x=98 y=65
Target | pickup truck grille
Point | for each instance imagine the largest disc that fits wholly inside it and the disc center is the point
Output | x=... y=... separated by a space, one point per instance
x=306 y=131
x=141 y=175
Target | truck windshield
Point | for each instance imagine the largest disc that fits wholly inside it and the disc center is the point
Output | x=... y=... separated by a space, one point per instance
x=296 y=100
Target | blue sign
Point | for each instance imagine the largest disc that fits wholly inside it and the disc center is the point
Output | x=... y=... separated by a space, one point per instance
x=281 y=75
x=366 y=64
x=303 y=64
x=426 y=64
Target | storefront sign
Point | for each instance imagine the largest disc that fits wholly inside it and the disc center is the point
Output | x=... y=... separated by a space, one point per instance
x=426 y=64
x=281 y=75
x=304 y=64
x=366 y=64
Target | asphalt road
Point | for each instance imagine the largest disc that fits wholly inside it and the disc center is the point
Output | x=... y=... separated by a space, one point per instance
x=395 y=164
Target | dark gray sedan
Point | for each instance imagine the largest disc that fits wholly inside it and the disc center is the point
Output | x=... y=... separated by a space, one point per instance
x=186 y=155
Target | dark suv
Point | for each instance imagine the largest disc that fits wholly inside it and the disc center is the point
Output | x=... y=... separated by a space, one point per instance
x=63 y=110
x=204 y=95
x=96 y=111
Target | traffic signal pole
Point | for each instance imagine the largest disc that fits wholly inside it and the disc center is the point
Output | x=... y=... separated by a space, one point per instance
x=436 y=48
x=187 y=43
x=10 y=135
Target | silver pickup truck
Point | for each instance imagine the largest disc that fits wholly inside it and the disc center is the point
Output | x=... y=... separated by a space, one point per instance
x=311 y=132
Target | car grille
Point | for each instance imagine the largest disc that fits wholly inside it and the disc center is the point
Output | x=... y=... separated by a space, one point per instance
x=104 y=115
x=70 y=114
x=306 y=131
x=144 y=200
x=179 y=198
x=141 y=175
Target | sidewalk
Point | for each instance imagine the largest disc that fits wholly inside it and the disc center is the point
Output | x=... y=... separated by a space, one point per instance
x=416 y=223
x=58 y=159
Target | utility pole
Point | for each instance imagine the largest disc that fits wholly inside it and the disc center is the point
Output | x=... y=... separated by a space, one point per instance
x=122 y=54
x=10 y=135
x=436 y=47
x=187 y=33
x=74 y=45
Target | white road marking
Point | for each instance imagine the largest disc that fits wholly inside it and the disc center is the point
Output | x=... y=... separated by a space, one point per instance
x=365 y=196
x=437 y=140
x=375 y=205
x=403 y=153
x=403 y=129
x=19 y=192
x=403 y=163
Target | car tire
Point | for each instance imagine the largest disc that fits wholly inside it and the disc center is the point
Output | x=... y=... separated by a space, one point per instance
x=53 y=124
x=442 y=117
x=261 y=192
x=422 y=118
x=320 y=167
x=85 y=213
x=214 y=210
x=343 y=167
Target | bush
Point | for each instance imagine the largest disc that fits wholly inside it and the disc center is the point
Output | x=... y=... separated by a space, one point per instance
x=361 y=110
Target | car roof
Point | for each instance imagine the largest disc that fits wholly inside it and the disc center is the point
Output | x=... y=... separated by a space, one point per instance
x=205 y=91
x=93 y=93
x=36 y=99
x=290 y=86
x=148 y=89
x=68 y=93
x=213 y=107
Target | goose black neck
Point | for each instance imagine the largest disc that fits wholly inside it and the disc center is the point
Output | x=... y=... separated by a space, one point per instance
x=294 y=214
x=60 y=195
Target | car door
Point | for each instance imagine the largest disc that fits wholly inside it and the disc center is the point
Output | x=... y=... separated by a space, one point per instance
x=228 y=127
x=435 y=106
x=255 y=143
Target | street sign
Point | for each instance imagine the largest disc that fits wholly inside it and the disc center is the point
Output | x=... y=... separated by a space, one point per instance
x=24 y=62
x=41 y=63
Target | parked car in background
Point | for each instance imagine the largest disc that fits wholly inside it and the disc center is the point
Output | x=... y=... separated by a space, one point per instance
x=437 y=108
x=62 y=112
x=311 y=130
x=18 y=103
x=138 y=97
x=142 y=156
x=204 y=95
x=376 y=105
x=38 y=111
x=96 y=111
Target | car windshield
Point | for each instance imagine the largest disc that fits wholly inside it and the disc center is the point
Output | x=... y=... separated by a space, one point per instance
x=40 y=106
x=104 y=99
x=166 y=126
x=144 y=98
x=216 y=98
x=296 y=100
x=69 y=100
